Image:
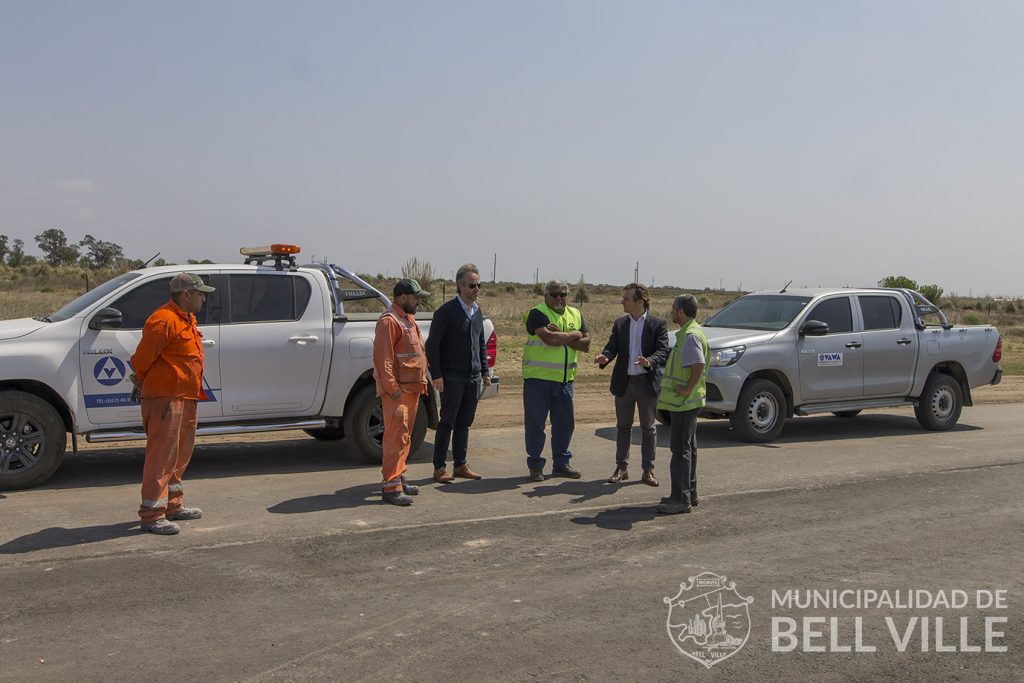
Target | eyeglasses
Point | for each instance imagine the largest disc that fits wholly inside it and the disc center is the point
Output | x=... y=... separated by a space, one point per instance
x=560 y=295
x=474 y=285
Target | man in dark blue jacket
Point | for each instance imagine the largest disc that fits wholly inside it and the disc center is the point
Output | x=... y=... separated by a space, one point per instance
x=639 y=346
x=457 y=358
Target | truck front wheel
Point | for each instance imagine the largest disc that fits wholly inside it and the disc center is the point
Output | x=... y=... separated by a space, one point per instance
x=364 y=425
x=760 y=412
x=32 y=440
x=940 y=404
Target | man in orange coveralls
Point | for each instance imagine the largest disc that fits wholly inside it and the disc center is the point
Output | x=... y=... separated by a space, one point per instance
x=400 y=369
x=168 y=367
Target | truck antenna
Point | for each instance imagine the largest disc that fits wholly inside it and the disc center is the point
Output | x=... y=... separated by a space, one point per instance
x=785 y=287
x=150 y=259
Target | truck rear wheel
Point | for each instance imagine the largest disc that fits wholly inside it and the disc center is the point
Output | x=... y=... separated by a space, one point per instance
x=364 y=426
x=760 y=412
x=33 y=439
x=940 y=404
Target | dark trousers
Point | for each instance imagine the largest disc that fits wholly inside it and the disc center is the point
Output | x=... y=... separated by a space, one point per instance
x=683 y=442
x=541 y=398
x=458 y=409
x=639 y=395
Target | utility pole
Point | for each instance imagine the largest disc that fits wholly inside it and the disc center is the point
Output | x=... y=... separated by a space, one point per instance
x=536 y=275
x=494 y=271
x=636 y=272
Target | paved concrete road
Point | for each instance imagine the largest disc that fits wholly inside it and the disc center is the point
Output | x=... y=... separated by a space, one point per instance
x=297 y=572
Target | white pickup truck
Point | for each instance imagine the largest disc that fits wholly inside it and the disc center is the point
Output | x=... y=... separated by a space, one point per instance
x=281 y=353
x=801 y=352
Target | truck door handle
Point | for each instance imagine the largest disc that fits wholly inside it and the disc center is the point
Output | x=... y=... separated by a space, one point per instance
x=304 y=339
x=209 y=342
x=903 y=340
x=853 y=345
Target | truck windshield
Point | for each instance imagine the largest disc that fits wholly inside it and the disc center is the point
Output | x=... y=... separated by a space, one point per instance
x=759 y=312
x=89 y=298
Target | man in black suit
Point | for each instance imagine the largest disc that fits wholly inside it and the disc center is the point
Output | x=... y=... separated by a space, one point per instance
x=639 y=346
x=457 y=358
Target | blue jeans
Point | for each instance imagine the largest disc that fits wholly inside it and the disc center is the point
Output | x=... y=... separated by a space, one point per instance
x=541 y=398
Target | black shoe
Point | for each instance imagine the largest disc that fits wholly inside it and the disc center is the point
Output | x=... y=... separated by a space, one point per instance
x=693 y=499
x=396 y=498
x=536 y=475
x=409 y=489
x=674 y=508
x=566 y=471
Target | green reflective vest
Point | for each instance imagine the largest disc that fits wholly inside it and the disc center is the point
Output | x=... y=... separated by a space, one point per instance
x=553 y=363
x=677 y=375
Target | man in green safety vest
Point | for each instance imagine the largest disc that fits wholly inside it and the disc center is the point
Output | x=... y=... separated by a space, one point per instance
x=682 y=395
x=556 y=332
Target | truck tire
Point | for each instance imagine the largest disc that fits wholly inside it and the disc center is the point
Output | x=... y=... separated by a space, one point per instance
x=364 y=426
x=940 y=404
x=760 y=412
x=846 y=413
x=326 y=433
x=33 y=439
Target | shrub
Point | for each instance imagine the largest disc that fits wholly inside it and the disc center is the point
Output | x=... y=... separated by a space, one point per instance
x=972 y=319
x=538 y=288
x=510 y=289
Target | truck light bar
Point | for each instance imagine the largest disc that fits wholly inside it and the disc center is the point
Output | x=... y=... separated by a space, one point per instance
x=282 y=255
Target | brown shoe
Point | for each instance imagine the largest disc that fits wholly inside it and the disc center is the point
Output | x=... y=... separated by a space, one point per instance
x=649 y=478
x=621 y=474
x=465 y=473
x=441 y=476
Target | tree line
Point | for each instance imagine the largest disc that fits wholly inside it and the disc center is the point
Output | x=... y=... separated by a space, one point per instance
x=91 y=253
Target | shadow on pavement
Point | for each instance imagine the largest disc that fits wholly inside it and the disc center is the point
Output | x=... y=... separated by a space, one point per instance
x=118 y=466
x=352 y=497
x=485 y=485
x=619 y=519
x=581 y=490
x=718 y=433
x=59 y=537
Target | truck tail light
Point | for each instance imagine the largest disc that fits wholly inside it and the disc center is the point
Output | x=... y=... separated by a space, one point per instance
x=997 y=355
x=492 y=349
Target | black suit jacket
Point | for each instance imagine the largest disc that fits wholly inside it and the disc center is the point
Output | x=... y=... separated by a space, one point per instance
x=455 y=344
x=653 y=346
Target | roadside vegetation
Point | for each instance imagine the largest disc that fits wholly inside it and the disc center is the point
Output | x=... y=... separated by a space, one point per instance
x=40 y=288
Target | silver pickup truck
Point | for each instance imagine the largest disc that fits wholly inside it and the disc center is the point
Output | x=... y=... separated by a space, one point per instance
x=808 y=351
x=286 y=346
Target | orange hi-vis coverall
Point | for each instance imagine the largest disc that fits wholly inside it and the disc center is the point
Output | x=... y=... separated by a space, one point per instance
x=399 y=367
x=168 y=365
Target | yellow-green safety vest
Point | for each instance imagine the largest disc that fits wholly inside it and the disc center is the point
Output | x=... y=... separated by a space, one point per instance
x=553 y=363
x=677 y=375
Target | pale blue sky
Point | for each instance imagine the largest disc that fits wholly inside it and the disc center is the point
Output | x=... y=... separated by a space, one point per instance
x=741 y=143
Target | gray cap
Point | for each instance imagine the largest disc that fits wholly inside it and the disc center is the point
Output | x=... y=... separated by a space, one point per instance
x=184 y=282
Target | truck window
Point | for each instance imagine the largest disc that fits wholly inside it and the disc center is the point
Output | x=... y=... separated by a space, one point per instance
x=268 y=298
x=759 y=312
x=880 y=312
x=89 y=298
x=836 y=312
x=138 y=304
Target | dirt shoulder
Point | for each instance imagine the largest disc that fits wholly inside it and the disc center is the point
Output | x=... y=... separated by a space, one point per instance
x=594 y=403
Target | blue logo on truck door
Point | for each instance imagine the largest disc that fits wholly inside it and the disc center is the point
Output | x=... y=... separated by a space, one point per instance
x=109 y=371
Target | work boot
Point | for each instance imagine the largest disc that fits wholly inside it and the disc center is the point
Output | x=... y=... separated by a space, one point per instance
x=649 y=478
x=566 y=471
x=536 y=475
x=396 y=498
x=161 y=527
x=620 y=475
x=441 y=476
x=185 y=514
x=409 y=489
x=465 y=473
x=674 y=507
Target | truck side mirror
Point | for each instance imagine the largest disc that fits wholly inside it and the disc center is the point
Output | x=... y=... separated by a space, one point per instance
x=106 y=319
x=814 y=328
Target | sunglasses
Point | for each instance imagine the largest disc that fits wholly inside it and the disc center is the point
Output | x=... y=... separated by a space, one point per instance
x=474 y=285
x=559 y=295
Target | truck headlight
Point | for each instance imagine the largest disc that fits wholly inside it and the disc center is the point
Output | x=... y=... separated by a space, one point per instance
x=720 y=358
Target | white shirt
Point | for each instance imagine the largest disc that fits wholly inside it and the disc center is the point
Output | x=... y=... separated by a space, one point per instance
x=470 y=311
x=636 y=331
